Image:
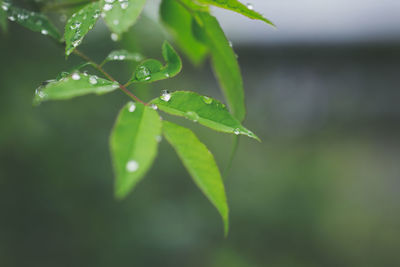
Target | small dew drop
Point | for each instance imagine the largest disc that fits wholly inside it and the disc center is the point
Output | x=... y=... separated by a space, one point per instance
x=158 y=138
x=132 y=107
x=93 y=79
x=249 y=6
x=236 y=131
x=124 y=5
x=107 y=7
x=11 y=18
x=165 y=95
x=153 y=106
x=132 y=166
x=4 y=6
x=75 y=76
x=121 y=57
x=230 y=44
x=191 y=115
x=44 y=32
x=207 y=100
x=114 y=37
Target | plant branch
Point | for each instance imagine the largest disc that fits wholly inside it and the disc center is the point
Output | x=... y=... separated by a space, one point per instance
x=99 y=68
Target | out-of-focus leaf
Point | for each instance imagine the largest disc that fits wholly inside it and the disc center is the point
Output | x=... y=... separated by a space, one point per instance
x=224 y=62
x=152 y=70
x=202 y=109
x=79 y=24
x=201 y=165
x=133 y=144
x=34 y=21
x=238 y=7
x=123 y=55
x=179 y=23
x=3 y=15
x=72 y=85
x=120 y=15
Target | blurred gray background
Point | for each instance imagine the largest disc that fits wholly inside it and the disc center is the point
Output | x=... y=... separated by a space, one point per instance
x=322 y=189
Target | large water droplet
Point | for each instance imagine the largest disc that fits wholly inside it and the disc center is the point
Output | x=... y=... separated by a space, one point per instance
x=143 y=73
x=114 y=37
x=93 y=79
x=132 y=107
x=165 y=95
x=132 y=166
x=75 y=76
x=191 y=115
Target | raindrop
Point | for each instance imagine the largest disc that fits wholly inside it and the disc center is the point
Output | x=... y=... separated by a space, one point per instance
x=249 y=6
x=114 y=37
x=236 y=131
x=4 y=6
x=107 y=7
x=207 y=100
x=75 y=25
x=121 y=57
x=124 y=5
x=93 y=79
x=153 y=106
x=44 y=32
x=158 y=138
x=167 y=75
x=11 y=18
x=191 y=115
x=132 y=166
x=230 y=44
x=143 y=73
x=40 y=93
x=76 y=43
x=165 y=95
x=75 y=76
x=132 y=107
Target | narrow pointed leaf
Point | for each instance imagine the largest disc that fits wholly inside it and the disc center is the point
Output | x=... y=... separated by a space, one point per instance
x=34 y=21
x=202 y=109
x=79 y=24
x=133 y=145
x=120 y=15
x=224 y=62
x=235 y=5
x=179 y=23
x=72 y=85
x=123 y=55
x=201 y=165
x=152 y=70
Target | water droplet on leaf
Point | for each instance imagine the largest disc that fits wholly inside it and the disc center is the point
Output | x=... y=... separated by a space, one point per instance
x=75 y=76
x=132 y=166
x=165 y=95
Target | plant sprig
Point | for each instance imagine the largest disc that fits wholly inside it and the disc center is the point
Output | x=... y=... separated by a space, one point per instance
x=138 y=129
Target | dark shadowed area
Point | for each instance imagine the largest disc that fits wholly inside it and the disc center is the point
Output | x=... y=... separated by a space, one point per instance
x=322 y=189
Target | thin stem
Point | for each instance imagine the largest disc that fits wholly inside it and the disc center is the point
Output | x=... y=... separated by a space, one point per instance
x=232 y=156
x=99 y=68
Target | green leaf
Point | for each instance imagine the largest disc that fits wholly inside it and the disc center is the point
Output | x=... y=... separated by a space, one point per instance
x=34 y=21
x=202 y=109
x=224 y=62
x=121 y=15
x=179 y=23
x=72 y=85
x=201 y=165
x=79 y=24
x=238 y=7
x=152 y=70
x=3 y=15
x=133 y=144
x=123 y=55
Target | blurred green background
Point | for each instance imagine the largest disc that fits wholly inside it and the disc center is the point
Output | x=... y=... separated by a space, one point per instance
x=322 y=189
